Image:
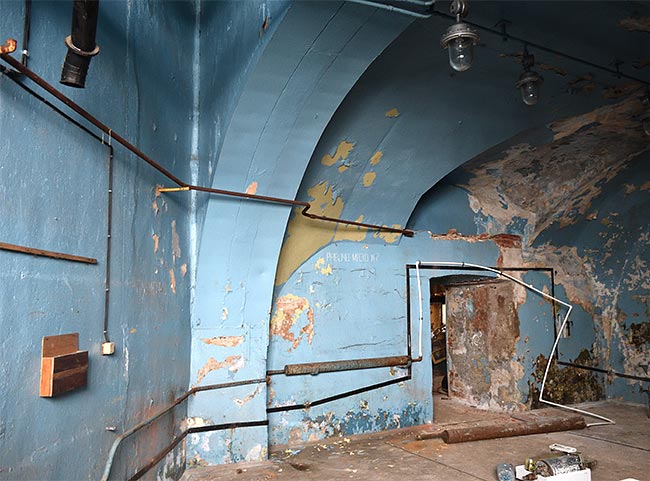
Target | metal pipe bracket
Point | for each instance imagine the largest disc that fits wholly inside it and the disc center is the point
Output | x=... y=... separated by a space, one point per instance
x=78 y=51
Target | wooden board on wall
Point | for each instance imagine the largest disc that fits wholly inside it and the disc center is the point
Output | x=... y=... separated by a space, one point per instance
x=63 y=366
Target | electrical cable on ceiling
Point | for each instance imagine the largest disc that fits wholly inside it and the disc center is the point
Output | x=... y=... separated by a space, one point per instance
x=605 y=421
x=429 y=11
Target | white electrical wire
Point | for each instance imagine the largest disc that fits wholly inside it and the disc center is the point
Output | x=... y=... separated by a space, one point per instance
x=557 y=339
x=417 y=270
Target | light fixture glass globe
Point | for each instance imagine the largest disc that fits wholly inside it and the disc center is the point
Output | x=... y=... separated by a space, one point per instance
x=461 y=53
x=530 y=93
x=528 y=84
x=460 y=39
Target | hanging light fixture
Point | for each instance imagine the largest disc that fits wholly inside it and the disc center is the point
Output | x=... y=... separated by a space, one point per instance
x=529 y=81
x=460 y=38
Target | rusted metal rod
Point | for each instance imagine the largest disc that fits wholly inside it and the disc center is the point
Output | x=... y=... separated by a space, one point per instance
x=215 y=427
x=336 y=397
x=146 y=422
x=43 y=253
x=314 y=368
x=511 y=429
x=133 y=149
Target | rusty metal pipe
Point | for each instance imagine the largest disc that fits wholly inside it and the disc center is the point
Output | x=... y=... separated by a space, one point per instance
x=89 y=117
x=43 y=253
x=336 y=397
x=215 y=427
x=133 y=149
x=146 y=422
x=507 y=430
x=314 y=368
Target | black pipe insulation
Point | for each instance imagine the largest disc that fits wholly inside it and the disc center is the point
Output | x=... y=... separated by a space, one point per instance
x=81 y=43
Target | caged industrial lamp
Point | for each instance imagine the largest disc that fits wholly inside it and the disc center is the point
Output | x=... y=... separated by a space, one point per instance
x=529 y=81
x=460 y=38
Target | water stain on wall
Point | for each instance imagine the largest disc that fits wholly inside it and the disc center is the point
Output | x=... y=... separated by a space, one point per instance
x=376 y=157
x=172 y=280
x=561 y=177
x=568 y=385
x=306 y=236
x=553 y=186
x=341 y=153
x=223 y=341
x=351 y=232
x=176 y=244
x=232 y=363
x=369 y=178
x=388 y=237
x=328 y=424
x=322 y=268
x=288 y=311
x=249 y=398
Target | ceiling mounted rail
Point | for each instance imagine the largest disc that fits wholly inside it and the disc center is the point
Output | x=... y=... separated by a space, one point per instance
x=306 y=206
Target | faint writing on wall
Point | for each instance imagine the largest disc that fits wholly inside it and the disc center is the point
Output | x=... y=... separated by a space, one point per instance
x=360 y=257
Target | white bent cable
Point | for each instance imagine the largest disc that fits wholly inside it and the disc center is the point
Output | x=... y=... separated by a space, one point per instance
x=557 y=339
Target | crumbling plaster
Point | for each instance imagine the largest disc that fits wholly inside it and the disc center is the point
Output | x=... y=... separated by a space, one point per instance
x=577 y=201
x=430 y=137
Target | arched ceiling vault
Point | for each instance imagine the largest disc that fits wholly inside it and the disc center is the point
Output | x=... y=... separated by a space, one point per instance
x=410 y=120
x=316 y=55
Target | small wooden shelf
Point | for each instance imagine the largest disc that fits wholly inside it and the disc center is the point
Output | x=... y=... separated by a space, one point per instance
x=63 y=366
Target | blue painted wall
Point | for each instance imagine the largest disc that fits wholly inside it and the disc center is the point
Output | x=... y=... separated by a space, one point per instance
x=145 y=85
x=317 y=53
x=328 y=102
x=587 y=224
x=53 y=195
x=405 y=125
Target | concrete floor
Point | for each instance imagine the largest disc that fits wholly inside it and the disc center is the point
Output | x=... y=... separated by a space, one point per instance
x=621 y=451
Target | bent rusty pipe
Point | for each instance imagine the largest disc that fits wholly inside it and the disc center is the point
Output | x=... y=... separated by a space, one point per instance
x=184 y=185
